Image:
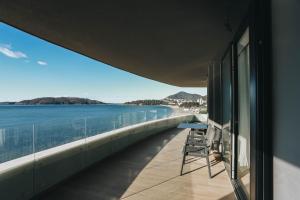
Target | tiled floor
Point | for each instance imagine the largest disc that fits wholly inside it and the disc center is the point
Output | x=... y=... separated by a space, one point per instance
x=148 y=170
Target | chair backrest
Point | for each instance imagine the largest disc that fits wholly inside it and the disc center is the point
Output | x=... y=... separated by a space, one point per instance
x=210 y=134
x=217 y=139
x=208 y=128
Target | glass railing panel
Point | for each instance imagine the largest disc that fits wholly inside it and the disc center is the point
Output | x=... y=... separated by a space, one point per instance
x=53 y=133
x=16 y=142
x=97 y=125
x=20 y=140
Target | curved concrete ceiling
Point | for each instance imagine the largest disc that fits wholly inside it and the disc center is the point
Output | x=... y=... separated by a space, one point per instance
x=168 y=41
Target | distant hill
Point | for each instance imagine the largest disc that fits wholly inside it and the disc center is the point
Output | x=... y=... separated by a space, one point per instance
x=147 y=102
x=175 y=99
x=186 y=96
x=56 y=100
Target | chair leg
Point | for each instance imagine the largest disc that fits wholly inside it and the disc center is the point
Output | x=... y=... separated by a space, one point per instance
x=183 y=162
x=208 y=166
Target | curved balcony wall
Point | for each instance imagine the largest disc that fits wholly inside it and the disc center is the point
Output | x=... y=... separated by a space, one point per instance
x=25 y=177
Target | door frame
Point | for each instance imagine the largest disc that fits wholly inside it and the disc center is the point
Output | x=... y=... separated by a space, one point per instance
x=261 y=149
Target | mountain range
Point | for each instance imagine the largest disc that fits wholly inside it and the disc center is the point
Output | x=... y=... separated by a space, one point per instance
x=75 y=100
x=181 y=96
x=186 y=96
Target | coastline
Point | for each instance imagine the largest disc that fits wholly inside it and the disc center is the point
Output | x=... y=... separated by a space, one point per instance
x=177 y=110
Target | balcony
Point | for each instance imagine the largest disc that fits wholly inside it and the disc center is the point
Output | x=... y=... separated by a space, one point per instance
x=148 y=170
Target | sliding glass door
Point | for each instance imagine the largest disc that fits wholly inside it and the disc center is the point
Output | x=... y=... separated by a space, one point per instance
x=226 y=109
x=235 y=111
x=243 y=140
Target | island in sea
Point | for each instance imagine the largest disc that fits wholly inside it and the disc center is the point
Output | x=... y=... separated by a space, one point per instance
x=54 y=100
x=148 y=102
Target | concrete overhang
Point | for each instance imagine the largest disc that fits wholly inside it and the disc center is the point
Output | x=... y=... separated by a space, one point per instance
x=168 y=41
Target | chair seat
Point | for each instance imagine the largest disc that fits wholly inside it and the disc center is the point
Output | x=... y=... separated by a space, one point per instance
x=198 y=140
x=196 y=151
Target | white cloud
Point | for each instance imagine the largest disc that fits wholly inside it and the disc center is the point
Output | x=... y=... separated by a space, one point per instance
x=6 y=50
x=42 y=63
x=6 y=46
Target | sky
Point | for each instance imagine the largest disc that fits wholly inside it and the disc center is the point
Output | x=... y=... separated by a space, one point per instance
x=31 y=68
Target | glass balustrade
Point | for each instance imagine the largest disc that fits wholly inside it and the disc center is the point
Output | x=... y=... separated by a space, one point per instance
x=22 y=140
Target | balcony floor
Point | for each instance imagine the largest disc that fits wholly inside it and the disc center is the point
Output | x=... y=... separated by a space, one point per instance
x=148 y=170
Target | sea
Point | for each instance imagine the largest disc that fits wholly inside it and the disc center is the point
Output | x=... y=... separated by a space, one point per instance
x=26 y=129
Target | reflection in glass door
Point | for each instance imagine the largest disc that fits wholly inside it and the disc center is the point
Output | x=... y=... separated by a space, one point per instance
x=243 y=143
x=226 y=109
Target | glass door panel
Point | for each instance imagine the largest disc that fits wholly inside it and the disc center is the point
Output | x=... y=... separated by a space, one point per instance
x=226 y=112
x=243 y=145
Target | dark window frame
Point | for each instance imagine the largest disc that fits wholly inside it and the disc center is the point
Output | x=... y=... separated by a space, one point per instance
x=217 y=92
x=210 y=99
x=261 y=156
x=228 y=52
x=240 y=193
x=261 y=163
x=261 y=78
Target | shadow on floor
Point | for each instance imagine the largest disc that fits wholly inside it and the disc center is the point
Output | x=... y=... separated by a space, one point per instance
x=230 y=196
x=110 y=178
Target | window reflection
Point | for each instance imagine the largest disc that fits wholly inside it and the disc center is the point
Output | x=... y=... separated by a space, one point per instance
x=243 y=164
x=226 y=97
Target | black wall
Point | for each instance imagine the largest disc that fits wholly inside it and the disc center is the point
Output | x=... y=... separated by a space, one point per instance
x=214 y=93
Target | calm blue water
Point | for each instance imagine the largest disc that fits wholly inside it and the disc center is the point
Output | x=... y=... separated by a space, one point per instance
x=28 y=129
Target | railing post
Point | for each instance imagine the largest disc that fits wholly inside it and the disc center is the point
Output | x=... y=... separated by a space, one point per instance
x=34 y=167
x=85 y=129
x=33 y=140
